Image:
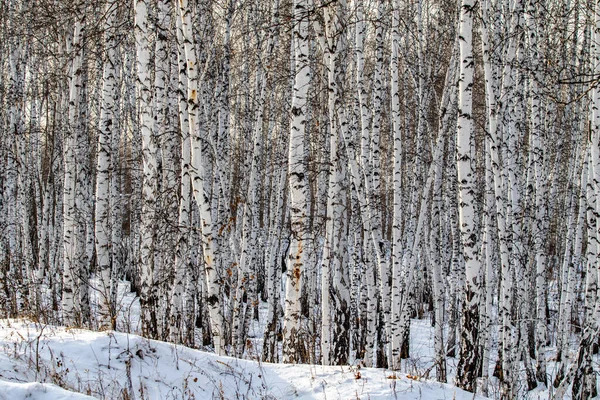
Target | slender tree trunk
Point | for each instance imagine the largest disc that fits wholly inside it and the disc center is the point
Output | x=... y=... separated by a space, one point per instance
x=199 y=186
x=71 y=271
x=150 y=174
x=398 y=213
x=182 y=257
x=294 y=350
x=465 y=158
x=108 y=126
x=165 y=175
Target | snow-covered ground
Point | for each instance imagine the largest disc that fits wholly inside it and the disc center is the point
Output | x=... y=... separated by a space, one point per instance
x=37 y=391
x=112 y=365
x=49 y=362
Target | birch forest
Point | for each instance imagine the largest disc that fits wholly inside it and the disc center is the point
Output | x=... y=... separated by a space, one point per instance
x=336 y=169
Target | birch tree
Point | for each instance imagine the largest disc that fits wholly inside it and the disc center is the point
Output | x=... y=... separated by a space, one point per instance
x=73 y=308
x=108 y=125
x=293 y=340
x=149 y=185
x=182 y=258
x=467 y=373
x=334 y=280
x=200 y=191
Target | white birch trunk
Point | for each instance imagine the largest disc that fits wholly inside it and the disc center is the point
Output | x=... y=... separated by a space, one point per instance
x=437 y=273
x=293 y=339
x=334 y=291
x=85 y=235
x=274 y=268
x=108 y=126
x=488 y=248
x=276 y=215
x=198 y=175
x=165 y=176
x=70 y=298
x=584 y=380
x=573 y=241
x=150 y=173
x=182 y=259
x=447 y=119
x=507 y=331
x=465 y=159
x=247 y=275
x=398 y=212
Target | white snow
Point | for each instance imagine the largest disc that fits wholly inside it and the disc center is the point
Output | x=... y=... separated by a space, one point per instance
x=36 y=391
x=113 y=365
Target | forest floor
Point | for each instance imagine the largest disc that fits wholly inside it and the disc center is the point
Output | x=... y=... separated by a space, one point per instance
x=47 y=362
x=112 y=365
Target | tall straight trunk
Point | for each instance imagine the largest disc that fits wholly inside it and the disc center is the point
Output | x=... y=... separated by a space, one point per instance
x=38 y=228
x=363 y=174
x=13 y=264
x=117 y=239
x=83 y=203
x=294 y=350
x=514 y=277
x=131 y=110
x=456 y=273
x=541 y=214
x=503 y=217
x=276 y=215
x=23 y=266
x=182 y=257
x=44 y=236
x=150 y=174
x=199 y=186
x=56 y=253
x=437 y=277
x=568 y=273
x=246 y=288
x=370 y=170
x=341 y=289
x=514 y=124
x=488 y=249
x=274 y=270
x=165 y=177
x=43 y=208
x=218 y=175
x=584 y=382
x=108 y=125
x=334 y=290
x=8 y=185
x=398 y=199
x=409 y=262
x=368 y=303
x=221 y=187
x=71 y=271
x=447 y=120
x=595 y=105
x=374 y=180
x=584 y=379
x=465 y=160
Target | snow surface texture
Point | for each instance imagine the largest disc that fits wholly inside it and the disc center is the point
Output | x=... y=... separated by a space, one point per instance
x=36 y=391
x=112 y=365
